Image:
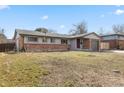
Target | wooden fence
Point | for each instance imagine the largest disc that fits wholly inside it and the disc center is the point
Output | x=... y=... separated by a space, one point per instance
x=7 y=47
x=105 y=45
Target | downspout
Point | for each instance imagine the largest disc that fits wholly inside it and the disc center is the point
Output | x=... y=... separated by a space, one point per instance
x=17 y=44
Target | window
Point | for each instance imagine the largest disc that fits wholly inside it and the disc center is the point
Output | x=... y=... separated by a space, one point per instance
x=63 y=41
x=32 y=39
x=52 y=40
x=44 y=39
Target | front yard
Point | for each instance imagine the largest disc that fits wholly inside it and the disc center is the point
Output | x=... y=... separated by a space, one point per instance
x=62 y=69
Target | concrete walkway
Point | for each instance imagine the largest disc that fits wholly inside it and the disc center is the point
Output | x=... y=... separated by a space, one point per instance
x=118 y=51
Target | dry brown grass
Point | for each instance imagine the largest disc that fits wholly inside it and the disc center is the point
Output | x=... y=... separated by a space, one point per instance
x=92 y=69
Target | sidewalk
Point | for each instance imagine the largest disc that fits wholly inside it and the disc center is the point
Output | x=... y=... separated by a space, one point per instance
x=118 y=51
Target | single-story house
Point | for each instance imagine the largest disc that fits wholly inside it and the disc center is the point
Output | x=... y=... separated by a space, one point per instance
x=37 y=41
x=115 y=41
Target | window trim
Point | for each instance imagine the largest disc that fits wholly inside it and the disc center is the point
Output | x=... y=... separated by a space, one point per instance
x=64 y=41
x=35 y=39
x=44 y=41
x=52 y=40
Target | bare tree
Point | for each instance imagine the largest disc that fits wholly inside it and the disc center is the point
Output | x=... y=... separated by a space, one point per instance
x=2 y=30
x=3 y=38
x=43 y=30
x=119 y=28
x=52 y=31
x=101 y=31
x=80 y=28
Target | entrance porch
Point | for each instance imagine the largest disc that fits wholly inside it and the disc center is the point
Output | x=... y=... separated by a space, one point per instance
x=87 y=44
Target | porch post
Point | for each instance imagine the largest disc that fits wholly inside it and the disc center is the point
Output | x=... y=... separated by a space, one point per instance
x=17 y=44
x=90 y=44
x=99 y=45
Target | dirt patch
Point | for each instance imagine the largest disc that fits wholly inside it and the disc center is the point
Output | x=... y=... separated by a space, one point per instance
x=62 y=69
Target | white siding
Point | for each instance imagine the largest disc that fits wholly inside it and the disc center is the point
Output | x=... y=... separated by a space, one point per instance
x=69 y=41
x=110 y=37
x=92 y=36
x=57 y=41
x=113 y=37
x=121 y=37
x=73 y=44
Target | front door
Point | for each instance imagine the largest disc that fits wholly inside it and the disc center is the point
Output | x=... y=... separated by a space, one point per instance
x=78 y=43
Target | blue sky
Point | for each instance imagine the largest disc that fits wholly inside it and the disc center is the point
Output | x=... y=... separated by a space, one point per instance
x=59 y=18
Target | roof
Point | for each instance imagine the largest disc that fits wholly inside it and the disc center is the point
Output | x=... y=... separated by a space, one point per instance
x=83 y=35
x=36 y=33
x=10 y=41
x=120 y=34
x=3 y=38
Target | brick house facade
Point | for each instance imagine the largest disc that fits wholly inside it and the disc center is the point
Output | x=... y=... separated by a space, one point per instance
x=116 y=41
x=86 y=43
x=45 y=47
x=37 y=41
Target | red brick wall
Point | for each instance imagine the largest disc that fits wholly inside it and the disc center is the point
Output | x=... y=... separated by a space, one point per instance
x=121 y=44
x=21 y=42
x=86 y=43
x=115 y=44
x=45 y=47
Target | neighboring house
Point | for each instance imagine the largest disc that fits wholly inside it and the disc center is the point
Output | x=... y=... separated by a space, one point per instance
x=10 y=41
x=3 y=38
x=6 y=44
x=115 y=41
x=37 y=41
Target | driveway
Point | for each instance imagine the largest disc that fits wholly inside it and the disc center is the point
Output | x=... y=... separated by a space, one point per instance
x=118 y=51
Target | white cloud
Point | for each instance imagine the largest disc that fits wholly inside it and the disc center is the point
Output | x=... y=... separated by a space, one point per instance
x=45 y=17
x=119 y=12
x=102 y=15
x=62 y=26
x=4 y=7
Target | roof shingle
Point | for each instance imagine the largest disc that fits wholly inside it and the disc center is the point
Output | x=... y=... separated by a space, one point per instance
x=36 y=33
